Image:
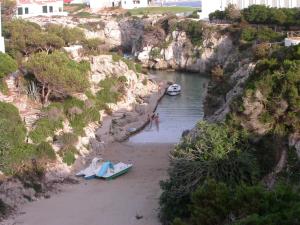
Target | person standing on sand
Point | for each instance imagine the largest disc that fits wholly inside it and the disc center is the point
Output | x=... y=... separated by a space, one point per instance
x=150 y=120
x=156 y=119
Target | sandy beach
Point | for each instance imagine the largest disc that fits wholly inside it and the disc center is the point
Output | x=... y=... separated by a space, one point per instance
x=115 y=202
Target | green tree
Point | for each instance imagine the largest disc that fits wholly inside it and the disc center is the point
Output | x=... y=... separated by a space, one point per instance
x=27 y=38
x=69 y=35
x=7 y=65
x=58 y=75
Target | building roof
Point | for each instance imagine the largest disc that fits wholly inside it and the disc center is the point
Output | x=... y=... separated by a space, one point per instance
x=39 y=2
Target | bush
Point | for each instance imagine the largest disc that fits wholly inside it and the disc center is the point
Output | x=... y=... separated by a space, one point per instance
x=215 y=152
x=194 y=29
x=91 y=46
x=7 y=65
x=26 y=38
x=194 y=15
x=261 y=51
x=70 y=36
x=46 y=126
x=68 y=155
x=214 y=203
x=68 y=139
x=58 y=75
x=12 y=129
x=45 y=150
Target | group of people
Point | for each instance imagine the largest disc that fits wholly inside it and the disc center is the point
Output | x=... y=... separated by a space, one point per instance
x=154 y=117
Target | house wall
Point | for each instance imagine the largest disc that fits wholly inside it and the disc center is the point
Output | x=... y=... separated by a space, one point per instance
x=2 y=47
x=291 y=41
x=131 y=4
x=125 y=4
x=100 y=4
x=37 y=9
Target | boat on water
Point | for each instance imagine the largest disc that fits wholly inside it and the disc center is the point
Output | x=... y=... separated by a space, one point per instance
x=106 y=170
x=174 y=89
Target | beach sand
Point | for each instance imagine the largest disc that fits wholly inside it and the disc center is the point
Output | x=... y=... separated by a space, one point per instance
x=115 y=202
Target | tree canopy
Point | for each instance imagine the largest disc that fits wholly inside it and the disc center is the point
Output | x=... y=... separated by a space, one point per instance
x=58 y=75
x=26 y=37
x=7 y=65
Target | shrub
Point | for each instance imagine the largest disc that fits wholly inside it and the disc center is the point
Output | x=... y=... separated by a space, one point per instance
x=194 y=15
x=12 y=129
x=145 y=81
x=91 y=46
x=46 y=126
x=69 y=35
x=26 y=37
x=45 y=150
x=217 y=73
x=215 y=152
x=194 y=29
x=214 y=203
x=7 y=65
x=68 y=139
x=58 y=75
x=68 y=155
x=261 y=51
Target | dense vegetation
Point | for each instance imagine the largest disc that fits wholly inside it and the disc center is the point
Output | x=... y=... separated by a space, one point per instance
x=16 y=154
x=58 y=75
x=7 y=66
x=51 y=78
x=260 y=14
x=219 y=174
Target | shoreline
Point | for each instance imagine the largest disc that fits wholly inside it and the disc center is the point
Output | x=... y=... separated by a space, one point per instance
x=56 y=180
x=96 y=200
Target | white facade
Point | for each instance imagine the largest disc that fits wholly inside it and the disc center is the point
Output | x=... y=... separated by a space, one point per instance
x=2 y=46
x=213 y=5
x=125 y=4
x=30 y=8
x=291 y=41
x=131 y=4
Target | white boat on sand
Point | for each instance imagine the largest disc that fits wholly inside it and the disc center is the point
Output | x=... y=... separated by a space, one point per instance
x=174 y=89
x=106 y=170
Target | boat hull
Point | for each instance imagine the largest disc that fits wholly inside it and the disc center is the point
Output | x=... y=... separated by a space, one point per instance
x=173 y=93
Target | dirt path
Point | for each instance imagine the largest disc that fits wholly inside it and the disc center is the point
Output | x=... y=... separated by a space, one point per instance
x=116 y=202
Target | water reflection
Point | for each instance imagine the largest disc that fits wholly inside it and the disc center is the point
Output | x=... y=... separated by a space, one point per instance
x=176 y=113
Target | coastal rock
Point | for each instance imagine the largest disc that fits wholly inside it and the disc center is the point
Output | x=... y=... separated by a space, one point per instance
x=238 y=79
x=113 y=33
x=12 y=193
x=294 y=141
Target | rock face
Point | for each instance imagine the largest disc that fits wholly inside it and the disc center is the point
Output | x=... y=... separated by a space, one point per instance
x=237 y=81
x=180 y=53
x=139 y=99
x=294 y=141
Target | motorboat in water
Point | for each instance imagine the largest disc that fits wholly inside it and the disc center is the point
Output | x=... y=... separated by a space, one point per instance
x=174 y=89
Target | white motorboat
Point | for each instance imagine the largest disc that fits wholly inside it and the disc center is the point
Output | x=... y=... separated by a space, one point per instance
x=174 y=89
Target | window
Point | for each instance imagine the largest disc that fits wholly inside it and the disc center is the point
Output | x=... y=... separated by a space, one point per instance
x=45 y=10
x=51 y=9
x=20 y=11
x=26 y=11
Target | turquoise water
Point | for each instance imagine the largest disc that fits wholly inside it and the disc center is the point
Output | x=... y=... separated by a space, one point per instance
x=176 y=113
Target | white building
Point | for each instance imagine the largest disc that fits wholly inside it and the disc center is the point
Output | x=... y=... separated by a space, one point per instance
x=2 y=46
x=125 y=4
x=289 y=41
x=213 y=5
x=29 y=8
